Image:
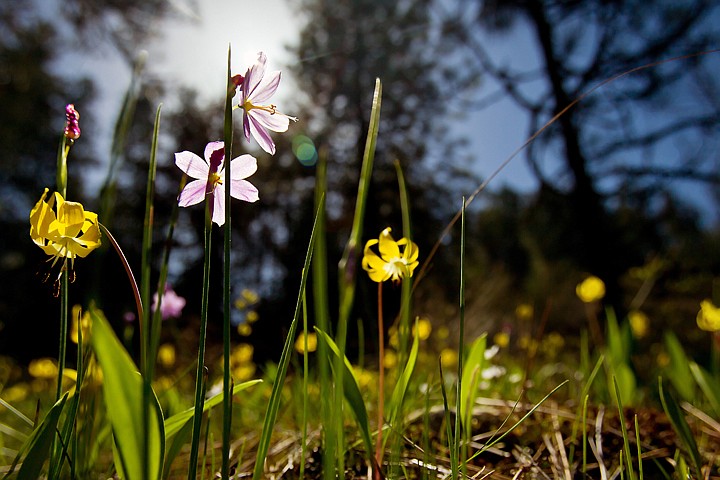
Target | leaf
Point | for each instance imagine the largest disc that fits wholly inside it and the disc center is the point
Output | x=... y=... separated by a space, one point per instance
x=123 y=392
x=708 y=385
x=38 y=444
x=352 y=393
x=276 y=394
x=679 y=369
x=398 y=394
x=681 y=427
x=471 y=378
x=175 y=423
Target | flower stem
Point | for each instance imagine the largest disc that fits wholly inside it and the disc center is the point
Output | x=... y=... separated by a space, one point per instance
x=227 y=380
x=197 y=419
x=381 y=384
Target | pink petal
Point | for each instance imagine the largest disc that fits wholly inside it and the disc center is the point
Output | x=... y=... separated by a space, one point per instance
x=192 y=165
x=268 y=89
x=218 y=215
x=211 y=147
x=246 y=125
x=242 y=167
x=193 y=193
x=254 y=76
x=261 y=136
x=277 y=122
x=243 y=190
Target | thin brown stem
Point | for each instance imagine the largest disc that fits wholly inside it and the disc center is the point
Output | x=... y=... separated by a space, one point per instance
x=381 y=385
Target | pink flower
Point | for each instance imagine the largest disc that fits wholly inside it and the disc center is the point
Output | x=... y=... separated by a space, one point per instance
x=172 y=303
x=209 y=179
x=258 y=118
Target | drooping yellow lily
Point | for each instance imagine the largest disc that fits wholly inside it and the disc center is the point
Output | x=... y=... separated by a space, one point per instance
x=63 y=229
x=397 y=259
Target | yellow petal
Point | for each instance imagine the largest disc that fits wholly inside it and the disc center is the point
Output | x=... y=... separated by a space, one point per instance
x=389 y=249
x=708 y=318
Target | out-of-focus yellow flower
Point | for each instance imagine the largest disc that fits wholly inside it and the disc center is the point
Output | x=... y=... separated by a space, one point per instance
x=393 y=337
x=241 y=364
x=243 y=353
x=251 y=316
x=16 y=393
x=244 y=329
x=364 y=378
x=166 y=354
x=524 y=311
x=663 y=359
x=708 y=318
x=448 y=357
x=247 y=298
x=390 y=360
x=590 y=290
x=393 y=263
x=83 y=319
x=442 y=333
x=63 y=229
x=422 y=328
x=243 y=373
x=43 y=368
x=311 y=342
x=501 y=339
x=639 y=323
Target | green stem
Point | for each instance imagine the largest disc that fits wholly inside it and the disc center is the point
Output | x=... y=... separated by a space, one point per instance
x=227 y=286
x=197 y=419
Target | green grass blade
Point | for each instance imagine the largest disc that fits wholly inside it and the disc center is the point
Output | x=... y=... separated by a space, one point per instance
x=471 y=375
x=708 y=385
x=123 y=392
x=276 y=394
x=175 y=423
x=679 y=371
x=681 y=427
x=38 y=444
x=398 y=395
x=459 y=397
x=452 y=445
x=227 y=285
x=404 y=321
x=623 y=427
x=322 y=315
x=518 y=423
x=349 y=264
x=352 y=393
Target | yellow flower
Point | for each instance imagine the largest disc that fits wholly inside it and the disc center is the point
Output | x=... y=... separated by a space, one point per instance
x=501 y=339
x=251 y=316
x=639 y=323
x=63 y=229
x=392 y=263
x=390 y=359
x=311 y=342
x=590 y=290
x=43 y=368
x=448 y=357
x=524 y=311
x=708 y=318
x=422 y=328
x=166 y=354
x=84 y=319
x=244 y=329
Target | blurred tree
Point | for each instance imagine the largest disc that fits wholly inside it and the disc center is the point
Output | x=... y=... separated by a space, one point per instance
x=631 y=139
x=33 y=94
